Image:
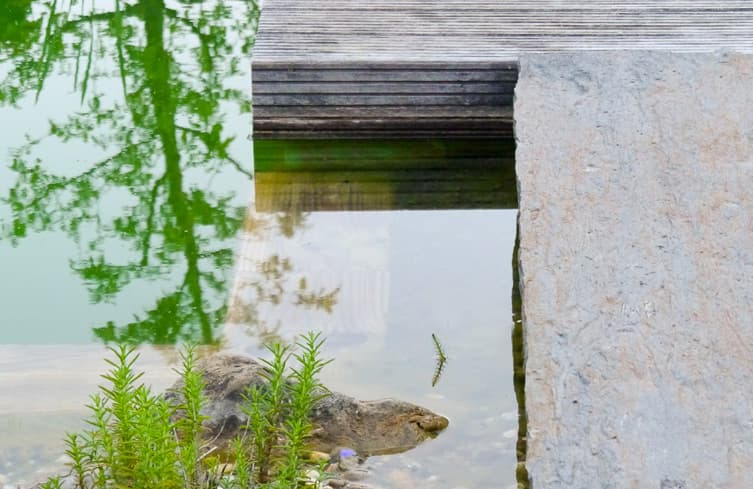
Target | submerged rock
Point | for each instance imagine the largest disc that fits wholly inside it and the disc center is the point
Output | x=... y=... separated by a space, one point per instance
x=369 y=427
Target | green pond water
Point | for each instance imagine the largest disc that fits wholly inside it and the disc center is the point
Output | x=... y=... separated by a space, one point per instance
x=130 y=210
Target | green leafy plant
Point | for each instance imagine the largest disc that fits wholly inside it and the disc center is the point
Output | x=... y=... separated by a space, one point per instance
x=278 y=413
x=131 y=440
x=137 y=439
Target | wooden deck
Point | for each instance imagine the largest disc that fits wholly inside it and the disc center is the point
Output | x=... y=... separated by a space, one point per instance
x=428 y=68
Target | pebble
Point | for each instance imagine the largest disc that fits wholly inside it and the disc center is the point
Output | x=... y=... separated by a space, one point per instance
x=223 y=470
x=360 y=486
x=355 y=475
x=348 y=463
x=310 y=479
x=343 y=484
x=317 y=457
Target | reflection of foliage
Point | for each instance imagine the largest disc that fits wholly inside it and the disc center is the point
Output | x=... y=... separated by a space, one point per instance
x=317 y=300
x=160 y=143
x=17 y=33
x=269 y=281
x=289 y=222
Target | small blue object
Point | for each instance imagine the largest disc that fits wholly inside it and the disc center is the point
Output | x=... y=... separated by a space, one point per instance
x=347 y=452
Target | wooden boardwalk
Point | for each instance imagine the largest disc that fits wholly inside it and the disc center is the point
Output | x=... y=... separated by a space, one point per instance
x=427 y=68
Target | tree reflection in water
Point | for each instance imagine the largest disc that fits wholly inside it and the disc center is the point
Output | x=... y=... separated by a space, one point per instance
x=163 y=137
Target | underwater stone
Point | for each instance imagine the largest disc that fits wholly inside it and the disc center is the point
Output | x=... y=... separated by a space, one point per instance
x=376 y=427
x=635 y=172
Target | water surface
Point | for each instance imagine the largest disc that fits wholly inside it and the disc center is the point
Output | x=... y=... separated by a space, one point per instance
x=127 y=168
x=128 y=213
x=386 y=281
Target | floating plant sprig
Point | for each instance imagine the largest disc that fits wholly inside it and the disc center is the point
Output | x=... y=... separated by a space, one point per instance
x=441 y=360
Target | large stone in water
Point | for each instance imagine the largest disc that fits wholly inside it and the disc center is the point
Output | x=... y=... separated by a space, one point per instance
x=635 y=175
x=370 y=427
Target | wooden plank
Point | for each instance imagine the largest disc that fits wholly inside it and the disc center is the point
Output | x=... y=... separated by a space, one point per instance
x=374 y=72
x=420 y=124
x=484 y=23
x=382 y=99
x=343 y=128
x=352 y=65
x=533 y=5
x=351 y=88
x=401 y=135
x=388 y=65
x=499 y=30
x=391 y=112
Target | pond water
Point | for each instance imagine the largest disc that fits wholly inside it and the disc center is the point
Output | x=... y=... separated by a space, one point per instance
x=129 y=211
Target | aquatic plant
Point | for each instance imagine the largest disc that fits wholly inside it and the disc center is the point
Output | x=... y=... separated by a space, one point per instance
x=140 y=439
x=441 y=360
x=280 y=410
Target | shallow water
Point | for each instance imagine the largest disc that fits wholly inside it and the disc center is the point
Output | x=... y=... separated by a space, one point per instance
x=128 y=212
x=398 y=278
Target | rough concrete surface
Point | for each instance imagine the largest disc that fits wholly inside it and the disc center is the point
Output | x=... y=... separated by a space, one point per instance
x=635 y=173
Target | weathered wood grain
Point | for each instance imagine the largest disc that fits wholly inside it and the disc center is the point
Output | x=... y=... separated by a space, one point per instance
x=372 y=99
x=363 y=87
x=429 y=56
x=392 y=112
x=396 y=65
x=454 y=31
x=289 y=123
x=339 y=133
